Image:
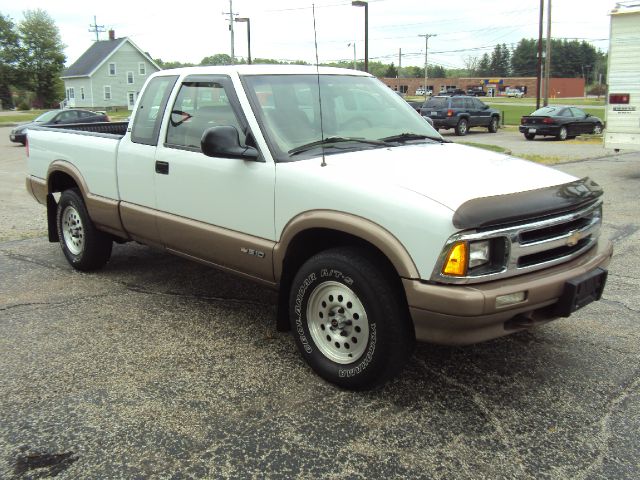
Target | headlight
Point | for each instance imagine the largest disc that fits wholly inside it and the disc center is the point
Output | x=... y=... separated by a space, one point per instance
x=475 y=257
x=478 y=253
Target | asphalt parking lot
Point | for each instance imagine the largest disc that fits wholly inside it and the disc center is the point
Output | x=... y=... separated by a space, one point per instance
x=157 y=367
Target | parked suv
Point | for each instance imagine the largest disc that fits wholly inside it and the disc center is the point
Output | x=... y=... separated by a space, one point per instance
x=460 y=113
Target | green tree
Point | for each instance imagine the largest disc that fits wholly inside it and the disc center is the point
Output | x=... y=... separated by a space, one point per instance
x=484 y=66
x=9 y=56
x=499 y=63
x=171 y=64
x=41 y=56
x=217 y=59
x=436 y=71
x=524 y=58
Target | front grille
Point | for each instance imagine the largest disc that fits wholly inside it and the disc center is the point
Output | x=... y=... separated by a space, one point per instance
x=536 y=245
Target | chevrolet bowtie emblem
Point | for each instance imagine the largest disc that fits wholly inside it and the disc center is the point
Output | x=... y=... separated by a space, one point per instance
x=573 y=239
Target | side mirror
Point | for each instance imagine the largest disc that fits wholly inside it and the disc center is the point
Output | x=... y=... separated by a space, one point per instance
x=224 y=141
x=587 y=115
x=485 y=107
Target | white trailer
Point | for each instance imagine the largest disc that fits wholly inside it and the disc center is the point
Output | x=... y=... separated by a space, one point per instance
x=623 y=101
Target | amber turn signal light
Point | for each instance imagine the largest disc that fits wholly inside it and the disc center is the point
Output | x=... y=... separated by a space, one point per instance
x=456 y=262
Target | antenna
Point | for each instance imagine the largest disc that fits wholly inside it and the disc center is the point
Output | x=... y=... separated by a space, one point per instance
x=95 y=28
x=315 y=40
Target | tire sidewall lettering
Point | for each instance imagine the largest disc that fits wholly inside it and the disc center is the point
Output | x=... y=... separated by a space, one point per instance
x=300 y=306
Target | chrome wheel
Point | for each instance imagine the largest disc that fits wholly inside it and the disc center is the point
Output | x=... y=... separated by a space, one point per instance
x=72 y=230
x=337 y=322
x=597 y=130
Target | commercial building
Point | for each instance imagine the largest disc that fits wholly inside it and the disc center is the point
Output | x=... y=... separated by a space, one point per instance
x=558 y=87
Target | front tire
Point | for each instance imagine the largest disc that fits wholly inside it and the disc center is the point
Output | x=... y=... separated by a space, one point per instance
x=85 y=247
x=462 y=127
x=597 y=129
x=493 y=125
x=348 y=319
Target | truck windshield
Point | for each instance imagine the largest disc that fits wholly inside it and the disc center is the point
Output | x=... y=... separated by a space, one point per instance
x=359 y=109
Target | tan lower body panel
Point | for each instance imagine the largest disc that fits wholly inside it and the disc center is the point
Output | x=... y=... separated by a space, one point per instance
x=37 y=187
x=104 y=213
x=234 y=251
x=457 y=315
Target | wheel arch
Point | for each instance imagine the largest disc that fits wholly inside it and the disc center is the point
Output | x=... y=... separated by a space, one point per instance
x=313 y=232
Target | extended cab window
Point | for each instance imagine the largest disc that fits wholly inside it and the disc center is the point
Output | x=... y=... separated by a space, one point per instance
x=148 y=118
x=198 y=107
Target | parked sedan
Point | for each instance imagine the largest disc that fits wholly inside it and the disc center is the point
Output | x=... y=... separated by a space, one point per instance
x=56 y=117
x=559 y=121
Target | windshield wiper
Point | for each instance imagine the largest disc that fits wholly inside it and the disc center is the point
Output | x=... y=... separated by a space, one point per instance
x=330 y=140
x=403 y=137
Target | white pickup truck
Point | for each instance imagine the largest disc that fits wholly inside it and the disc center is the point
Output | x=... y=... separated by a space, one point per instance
x=328 y=186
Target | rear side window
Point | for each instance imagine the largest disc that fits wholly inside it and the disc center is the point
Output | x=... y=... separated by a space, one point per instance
x=146 y=124
x=457 y=103
x=436 y=102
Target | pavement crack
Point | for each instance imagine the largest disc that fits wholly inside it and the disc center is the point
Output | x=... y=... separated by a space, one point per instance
x=605 y=429
x=503 y=434
x=54 y=304
x=207 y=298
x=617 y=302
x=24 y=258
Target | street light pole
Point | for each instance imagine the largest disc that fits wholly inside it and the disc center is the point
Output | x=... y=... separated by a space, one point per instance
x=426 y=50
x=539 y=68
x=547 y=60
x=360 y=3
x=248 y=22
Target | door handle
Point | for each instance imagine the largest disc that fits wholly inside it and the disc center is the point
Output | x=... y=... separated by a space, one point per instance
x=162 y=167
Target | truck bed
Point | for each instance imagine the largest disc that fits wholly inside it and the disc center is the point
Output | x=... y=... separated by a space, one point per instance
x=111 y=128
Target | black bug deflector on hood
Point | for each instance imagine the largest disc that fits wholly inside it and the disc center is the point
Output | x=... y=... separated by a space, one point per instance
x=532 y=204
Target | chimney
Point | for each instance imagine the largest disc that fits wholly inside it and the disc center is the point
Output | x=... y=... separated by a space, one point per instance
x=112 y=34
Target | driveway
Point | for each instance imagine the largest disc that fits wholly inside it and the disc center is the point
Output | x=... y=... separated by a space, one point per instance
x=156 y=367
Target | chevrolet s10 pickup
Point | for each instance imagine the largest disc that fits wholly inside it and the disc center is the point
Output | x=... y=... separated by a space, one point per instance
x=324 y=184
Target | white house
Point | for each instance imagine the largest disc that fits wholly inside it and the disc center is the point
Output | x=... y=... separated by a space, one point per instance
x=109 y=74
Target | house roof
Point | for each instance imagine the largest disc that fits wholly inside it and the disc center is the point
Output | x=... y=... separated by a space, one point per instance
x=96 y=55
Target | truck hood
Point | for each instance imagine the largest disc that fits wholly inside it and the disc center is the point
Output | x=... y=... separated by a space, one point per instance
x=449 y=173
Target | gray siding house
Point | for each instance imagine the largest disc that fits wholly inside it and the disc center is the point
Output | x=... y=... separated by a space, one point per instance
x=109 y=74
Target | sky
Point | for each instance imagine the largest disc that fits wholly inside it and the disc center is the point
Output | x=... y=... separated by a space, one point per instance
x=188 y=31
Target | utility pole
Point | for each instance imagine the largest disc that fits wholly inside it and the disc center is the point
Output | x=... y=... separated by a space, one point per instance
x=426 y=50
x=539 y=68
x=399 y=67
x=547 y=60
x=95 y=28
x=231 y=15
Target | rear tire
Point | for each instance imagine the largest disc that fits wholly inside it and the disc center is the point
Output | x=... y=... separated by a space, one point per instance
x=85 y=247
x=462 y=127
x=529 y=136
x=562 y=134
x=349 y=320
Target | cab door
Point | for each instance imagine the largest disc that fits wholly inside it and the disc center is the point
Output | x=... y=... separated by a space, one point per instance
x=220 y=210
x=136 y=162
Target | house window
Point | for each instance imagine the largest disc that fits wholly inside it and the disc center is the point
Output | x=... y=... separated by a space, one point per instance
x=107 y=92
x=82 y=93
x=72 y=93
x=130 y=78
x=112 y=69
x=142 y=69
